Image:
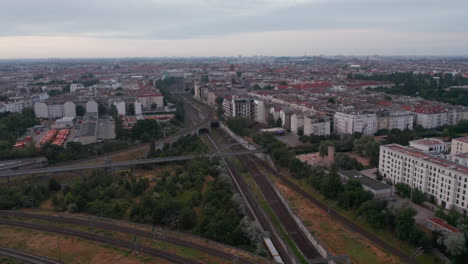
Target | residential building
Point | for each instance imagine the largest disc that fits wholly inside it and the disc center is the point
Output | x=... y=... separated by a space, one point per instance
x=459 y=145
x=76 y=86
x=242 y=107
x=443 y=179
x=69 y=109
x=52 y=110
x=377 y=188
x=348 y=123
x=92 y=107
x=297 y=123
x=260 y=112
x=149 y=99
x=430 y=145
x=395 y=120
x=317 y=125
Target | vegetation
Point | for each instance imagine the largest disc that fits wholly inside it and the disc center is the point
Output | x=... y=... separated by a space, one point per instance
x=239 y=126
x=12 y=126
x=350 y=195
x=76 y=150
x=424 y=85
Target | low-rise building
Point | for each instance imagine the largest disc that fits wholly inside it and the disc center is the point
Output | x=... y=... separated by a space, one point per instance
x=430 y=145
x=377 y=188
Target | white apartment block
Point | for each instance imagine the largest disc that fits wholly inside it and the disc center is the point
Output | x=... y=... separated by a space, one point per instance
x=12 y=107
x=446 y=180
x=459 y=145
x=92 y=107
x=120 y=106
x=148 y=99
x=69 y=109
x=297 y=123
x=54 y=110
x=435 y=119
x=260 y=112
x=395 y=120
x=348 y=123
x=319 y=126
x=76 y=86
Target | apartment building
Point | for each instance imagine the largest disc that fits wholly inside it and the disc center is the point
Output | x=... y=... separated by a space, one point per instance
x=446 y=180
x=149 y=99
x=76 y=86
x=12 y=107
x=54 y=110
x=317 y=125
x=297 y=123
x=435 y=116
x=242 y=107
x=395 y=120
x=459 y=145
x=348 y=123
x=260 y=112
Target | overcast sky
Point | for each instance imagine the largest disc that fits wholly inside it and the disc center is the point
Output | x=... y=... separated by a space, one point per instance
x=154 y=28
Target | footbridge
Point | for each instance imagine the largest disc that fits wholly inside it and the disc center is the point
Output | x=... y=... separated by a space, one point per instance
x=123 y=164
x=200 y=121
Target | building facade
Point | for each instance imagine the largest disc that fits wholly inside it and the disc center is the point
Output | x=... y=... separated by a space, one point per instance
x=459 y=145
x=317 y=125
x=445 y=180
x=348 y=123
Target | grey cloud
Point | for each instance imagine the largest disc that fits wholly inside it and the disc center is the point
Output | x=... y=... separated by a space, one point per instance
x=178 y=19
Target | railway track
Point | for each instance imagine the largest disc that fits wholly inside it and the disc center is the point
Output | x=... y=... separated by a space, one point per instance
x=114 y=241
x=275 y=202
x=257 y=212
x=127 y=230
x=25 y=257
x=351 y=225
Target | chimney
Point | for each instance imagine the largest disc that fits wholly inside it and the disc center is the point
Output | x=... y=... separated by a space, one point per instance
x=331 y=154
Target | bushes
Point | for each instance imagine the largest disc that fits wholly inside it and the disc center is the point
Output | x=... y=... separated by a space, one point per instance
x=405 y=190
x=23 y=197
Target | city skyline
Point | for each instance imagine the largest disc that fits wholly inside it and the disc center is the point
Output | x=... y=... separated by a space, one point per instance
x=185 y=28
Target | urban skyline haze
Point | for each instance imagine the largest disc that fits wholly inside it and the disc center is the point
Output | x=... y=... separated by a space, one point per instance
x=181 y=28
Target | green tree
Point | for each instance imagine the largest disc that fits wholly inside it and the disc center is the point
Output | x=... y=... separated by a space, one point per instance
x=80 y=110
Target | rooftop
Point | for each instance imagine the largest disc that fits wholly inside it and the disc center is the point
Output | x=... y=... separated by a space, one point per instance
x=462 y=139
x=428 y=141
x=413 y=152
x=365 y=180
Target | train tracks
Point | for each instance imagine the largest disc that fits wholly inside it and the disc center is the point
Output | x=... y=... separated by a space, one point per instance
x=280 y=210
x=351 y=225
x=25 y=257
x=133 y=231
x=275 y=202
x=113 y=241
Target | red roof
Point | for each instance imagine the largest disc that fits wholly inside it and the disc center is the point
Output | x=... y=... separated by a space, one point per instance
x=440 y=222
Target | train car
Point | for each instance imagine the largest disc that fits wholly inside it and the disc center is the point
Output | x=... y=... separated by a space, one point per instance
x=273 y=252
